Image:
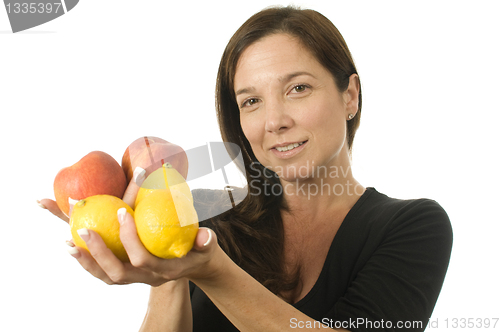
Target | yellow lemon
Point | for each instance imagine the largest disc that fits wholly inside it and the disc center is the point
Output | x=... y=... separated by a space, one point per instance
x=98 y=213
x=158 y=219
x=156 y=180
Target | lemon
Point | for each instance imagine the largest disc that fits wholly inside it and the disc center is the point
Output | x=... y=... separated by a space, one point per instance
x=98 y=213
x=158 y=219
x=156 y=180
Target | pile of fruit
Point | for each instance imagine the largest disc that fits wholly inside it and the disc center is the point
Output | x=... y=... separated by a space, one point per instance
x=164 y=214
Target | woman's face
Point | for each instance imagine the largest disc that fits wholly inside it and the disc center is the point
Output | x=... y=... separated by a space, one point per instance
x=291 y=111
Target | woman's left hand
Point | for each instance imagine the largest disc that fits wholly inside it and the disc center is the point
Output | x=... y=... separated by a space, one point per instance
x=145 y=267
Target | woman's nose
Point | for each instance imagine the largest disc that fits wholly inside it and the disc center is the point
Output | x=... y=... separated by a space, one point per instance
x=277 y=117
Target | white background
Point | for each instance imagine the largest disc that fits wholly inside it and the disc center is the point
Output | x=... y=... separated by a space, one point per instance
x=109 y=72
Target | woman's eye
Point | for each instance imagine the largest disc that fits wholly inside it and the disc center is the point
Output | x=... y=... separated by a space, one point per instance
x=249 y=102
x=300 y=88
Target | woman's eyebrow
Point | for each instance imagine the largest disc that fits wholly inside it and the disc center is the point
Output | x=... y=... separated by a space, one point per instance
x=283 y=79
x=245 y=90
x=291 y=76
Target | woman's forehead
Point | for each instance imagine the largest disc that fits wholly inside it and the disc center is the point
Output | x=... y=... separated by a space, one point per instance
x=279 y=56
x=274 y=43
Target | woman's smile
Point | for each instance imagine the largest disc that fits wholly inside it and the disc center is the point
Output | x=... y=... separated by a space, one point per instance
x=288 y=150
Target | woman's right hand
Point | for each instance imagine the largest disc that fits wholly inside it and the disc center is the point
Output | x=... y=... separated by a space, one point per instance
x=51 y=205
x=144 y=267
x=172 y=297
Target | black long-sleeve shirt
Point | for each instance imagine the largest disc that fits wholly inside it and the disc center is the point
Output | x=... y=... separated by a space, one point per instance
x=383 y=272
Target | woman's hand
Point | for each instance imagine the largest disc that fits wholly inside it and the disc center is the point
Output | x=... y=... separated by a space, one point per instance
x=143 y=266
x=51 y=205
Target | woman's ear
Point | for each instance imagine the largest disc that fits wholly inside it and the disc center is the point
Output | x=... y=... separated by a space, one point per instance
x=351 y=95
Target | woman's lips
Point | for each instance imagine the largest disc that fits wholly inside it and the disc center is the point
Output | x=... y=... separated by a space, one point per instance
x=288 y=150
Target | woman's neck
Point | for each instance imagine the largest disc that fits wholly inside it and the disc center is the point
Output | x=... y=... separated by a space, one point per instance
x=323 y=191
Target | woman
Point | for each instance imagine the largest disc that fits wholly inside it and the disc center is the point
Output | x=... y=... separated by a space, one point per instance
x=309 y=246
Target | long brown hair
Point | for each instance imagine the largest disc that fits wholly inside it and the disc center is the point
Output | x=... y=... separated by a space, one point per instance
x=252 y=233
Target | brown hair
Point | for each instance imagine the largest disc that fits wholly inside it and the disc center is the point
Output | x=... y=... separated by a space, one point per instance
x=252 y=233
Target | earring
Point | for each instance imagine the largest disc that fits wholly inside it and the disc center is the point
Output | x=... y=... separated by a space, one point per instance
x=350 y=116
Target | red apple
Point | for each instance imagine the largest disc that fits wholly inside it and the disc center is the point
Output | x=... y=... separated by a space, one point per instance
x=148 y=152
x=95 y=174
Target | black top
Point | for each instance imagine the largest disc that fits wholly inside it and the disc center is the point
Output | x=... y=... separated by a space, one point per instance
x=383 y=272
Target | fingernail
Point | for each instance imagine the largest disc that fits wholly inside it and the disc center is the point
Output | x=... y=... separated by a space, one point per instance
x=40 y=204
x=139 y=175
x=71 y=203
x=121 y=215
x=73 y=251
x=209 y=238
x=69 y=243
x=84 y=234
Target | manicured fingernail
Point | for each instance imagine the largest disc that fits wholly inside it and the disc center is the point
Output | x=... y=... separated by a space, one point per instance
x=73 y=251
x=121 y=215
x=209 y=238
x=40 y=204
x=84 y=234
x=72 y=201
x=139 y=175
x=69 y=243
